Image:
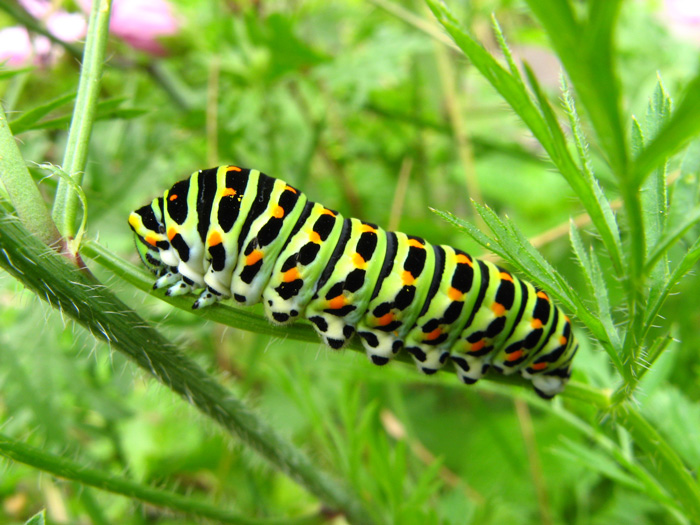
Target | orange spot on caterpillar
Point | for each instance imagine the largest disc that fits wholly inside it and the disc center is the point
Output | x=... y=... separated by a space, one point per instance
x=290 y=275
x=151 y=239
x=434 y=334
x=172 y=232
x=415 y=243
x=407 y=278
x=254 y=257
x=337 y=302
x=214 y=239
x=515 y=355
x=506 y=276
x=475 y=347
x=233 y=168
x=326 y=211
x=289 y=188
x=462 y=258
x=542 y=295
x=563 y=340
x=172 y=197
x=539 y=366
x=228 y=192
x=366 y=228
x=566 y=318
x=498 y=309
x=385 y=319
x=358 y=260
x=278 y=212
x=315 y=237
x=454 y=294
x=536 y=324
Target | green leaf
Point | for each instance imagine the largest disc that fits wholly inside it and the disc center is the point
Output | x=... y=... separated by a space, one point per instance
x=9 y=73
x=683 y=125
x=599 y=462
x=669 y=239
x=655 y=350
x=657 y=300
x=62 y=122
x=653 y=192
x=666 y=464
x=25 y=121
x=38 y=519
x=595 y=282
x=585 y=50
x=685 y=190
x=512 y=89
x=501 y=39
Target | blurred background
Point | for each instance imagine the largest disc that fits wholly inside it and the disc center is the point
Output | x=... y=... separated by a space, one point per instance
x=366 y=107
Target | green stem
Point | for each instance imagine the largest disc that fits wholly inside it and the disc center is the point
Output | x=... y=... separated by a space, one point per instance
x=67 y=469
x=66 y=205
x=89 y=303
x=22 y=189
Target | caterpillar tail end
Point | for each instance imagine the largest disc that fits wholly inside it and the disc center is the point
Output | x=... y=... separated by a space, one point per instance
x=547 y=386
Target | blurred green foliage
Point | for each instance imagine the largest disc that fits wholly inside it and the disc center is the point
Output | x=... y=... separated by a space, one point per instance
x=340 y=99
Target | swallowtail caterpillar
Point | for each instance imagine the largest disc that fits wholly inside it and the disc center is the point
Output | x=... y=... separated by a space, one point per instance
x=234 y=232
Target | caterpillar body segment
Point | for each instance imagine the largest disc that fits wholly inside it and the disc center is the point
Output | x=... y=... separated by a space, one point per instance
x=237 y=233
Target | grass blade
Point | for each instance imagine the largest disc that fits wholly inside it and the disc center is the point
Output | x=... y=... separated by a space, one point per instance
x=26 y=121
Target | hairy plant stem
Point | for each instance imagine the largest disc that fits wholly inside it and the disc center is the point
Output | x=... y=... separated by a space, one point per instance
x=85 y=300
x=68 y=469
x=22 y=189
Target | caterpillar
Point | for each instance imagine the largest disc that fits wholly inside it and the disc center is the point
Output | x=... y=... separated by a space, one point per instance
x=239 y=233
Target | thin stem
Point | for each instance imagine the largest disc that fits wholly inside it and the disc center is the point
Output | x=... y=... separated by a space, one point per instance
x=66 y=205
x=213 y=112
x=72 y=470
x=400 y=194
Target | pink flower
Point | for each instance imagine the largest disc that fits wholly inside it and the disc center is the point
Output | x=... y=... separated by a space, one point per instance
x=685 y=11
x=140 y=23
x=683 y=18
x=17 y=49
x=15 y=46
x=36 y=8
x=69 y=27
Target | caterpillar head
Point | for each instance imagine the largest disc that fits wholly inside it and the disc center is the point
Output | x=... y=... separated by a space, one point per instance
x=149 y=232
